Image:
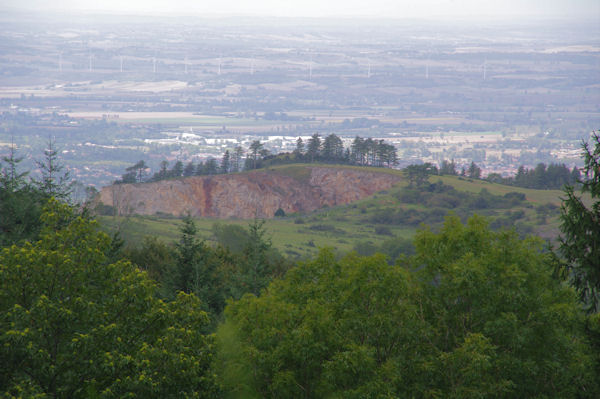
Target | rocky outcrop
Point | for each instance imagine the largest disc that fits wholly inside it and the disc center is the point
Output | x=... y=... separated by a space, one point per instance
x=247 y=195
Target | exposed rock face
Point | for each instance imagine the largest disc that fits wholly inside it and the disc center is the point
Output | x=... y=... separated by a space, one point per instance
x=246 y=195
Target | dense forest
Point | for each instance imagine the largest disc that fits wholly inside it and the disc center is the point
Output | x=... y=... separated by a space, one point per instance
x=471 y=313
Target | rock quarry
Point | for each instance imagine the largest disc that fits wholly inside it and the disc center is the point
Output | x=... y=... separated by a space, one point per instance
x=249 y=194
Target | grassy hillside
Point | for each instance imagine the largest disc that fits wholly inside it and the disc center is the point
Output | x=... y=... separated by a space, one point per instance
x=368 y=224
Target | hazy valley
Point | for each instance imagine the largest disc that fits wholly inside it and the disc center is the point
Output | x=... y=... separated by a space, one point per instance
x=259 y=205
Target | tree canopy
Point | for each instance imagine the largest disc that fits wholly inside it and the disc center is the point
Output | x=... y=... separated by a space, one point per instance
x=74 y=325
x=473 y=314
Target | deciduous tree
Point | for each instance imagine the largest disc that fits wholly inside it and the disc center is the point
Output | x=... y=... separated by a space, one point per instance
x=73 y=325
x=473 y=314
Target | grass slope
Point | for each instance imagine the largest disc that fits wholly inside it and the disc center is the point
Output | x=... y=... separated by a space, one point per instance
x=348 y=226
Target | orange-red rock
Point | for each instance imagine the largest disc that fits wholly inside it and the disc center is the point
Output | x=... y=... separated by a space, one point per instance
x=247 y=195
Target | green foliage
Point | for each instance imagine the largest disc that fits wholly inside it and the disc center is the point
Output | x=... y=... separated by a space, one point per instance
x=197 y=269
x=231 y=236
x=438 y=199
x=396 y=247
x=474 y=171
x=226 y=163
x=255 y=147
x=137 y=171
x=55 y=181
x=479 y=316
x=419 y=174
x=448 y=168
x=254 y=261
x=478 y=282
x=20 y=203
x=256 y=270
x=189 y=254
x=73 y=325
x=554 y=176
x=364 y=248
x=313 y=149
x=580 y=228
x=330 y=329
x=153 y=256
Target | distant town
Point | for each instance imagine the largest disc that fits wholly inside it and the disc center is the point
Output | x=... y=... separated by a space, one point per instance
x=109 y=94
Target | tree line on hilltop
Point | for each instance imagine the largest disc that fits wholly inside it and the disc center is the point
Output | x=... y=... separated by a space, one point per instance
x=361 y=152
x=364 y=152
x=542 y=177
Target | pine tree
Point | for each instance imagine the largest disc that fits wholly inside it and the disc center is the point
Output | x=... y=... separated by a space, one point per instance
x=299 y=151
x=236 y=159
x=163 y=172
x=257 y=270
x=188 y=255
x=313 y=150
x=55 y=181
x=333 y=148
x=358 y=150
x=10 y=178
x=211 y=167
x=177 y=170
x=474 y=171
x=255 y=147
x=580 y=228
x=189 y=169
x=226 y=163
x=20 y=203
x=448 y=168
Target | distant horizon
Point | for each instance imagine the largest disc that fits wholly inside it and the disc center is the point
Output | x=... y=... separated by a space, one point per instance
x=434 y=10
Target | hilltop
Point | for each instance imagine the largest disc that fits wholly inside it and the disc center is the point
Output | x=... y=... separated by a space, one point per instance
x=381 y=220
x=293 y=189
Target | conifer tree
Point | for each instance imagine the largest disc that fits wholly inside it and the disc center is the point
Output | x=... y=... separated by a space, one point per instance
x=299 y=151
x=255 y=147
x=189 y=169
x=226 y=162
x=236 y=159
x=55 y=180
x=580 y=228
x=20 y=202
x=313 y=150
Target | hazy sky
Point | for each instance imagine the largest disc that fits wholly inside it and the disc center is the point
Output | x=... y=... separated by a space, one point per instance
x=328 y=8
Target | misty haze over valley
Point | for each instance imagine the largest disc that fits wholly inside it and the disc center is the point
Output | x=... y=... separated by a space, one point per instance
x=113 y=89
x=300 y=199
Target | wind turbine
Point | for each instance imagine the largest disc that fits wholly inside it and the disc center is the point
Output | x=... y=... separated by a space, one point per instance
x=484 y=69
x=60 y=62
x=369 y=70
x=121 y=69
x=219 y=71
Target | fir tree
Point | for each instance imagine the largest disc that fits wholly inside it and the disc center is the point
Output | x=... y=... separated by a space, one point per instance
x=55 y=180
